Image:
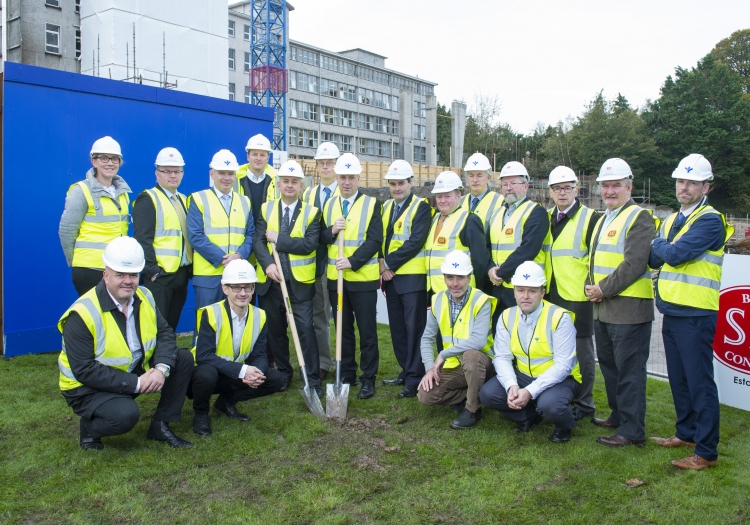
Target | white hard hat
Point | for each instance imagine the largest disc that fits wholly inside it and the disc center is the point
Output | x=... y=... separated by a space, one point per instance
x=694 y=167
x=347 y=164
x=169 y=157
x=106 y=145
x=399 y=170
x=514 y=169
x=561 y=174
x=327 y=150
x=447 y=181
x=456 y=263
x=477 y=162
x=614 y=169
x=238 y=271
x=125 y=255
x=291 y=169
x=224 y=160
x=528 y=273
x=258 y=142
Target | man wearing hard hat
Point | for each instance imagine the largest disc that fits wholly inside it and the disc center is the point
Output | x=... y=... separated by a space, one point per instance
x=690 y=251
x=571 y=227
x=403 y=272
x=318 y=196
x=293 y=227
x=117 y=346
x=256 y=179
x=480 y=199
x=453 y=229
x=535 y=359
x=358 y=218
x=460 y=317
x=220 y=229
x=519 y=232
x=160 y=226
x=619 y=285
x=230 y=351
x=97 y=210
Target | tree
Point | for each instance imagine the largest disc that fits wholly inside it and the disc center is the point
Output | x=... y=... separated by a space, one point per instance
x=443 y=134
x=735 y=53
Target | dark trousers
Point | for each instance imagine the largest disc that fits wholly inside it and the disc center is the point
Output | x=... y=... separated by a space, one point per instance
x=206 y=381
x=688 y=342
x=205 y=295
x=623 y=351
x=278 y=340
x=505 y=299
x=584 y=400
x=407 y=317
x=120 y=414
x=553 y=403
x=84 y=279
x=363 y=306
x=170 y=293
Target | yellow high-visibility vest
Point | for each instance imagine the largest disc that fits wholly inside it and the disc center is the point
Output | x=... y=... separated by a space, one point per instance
x=357 y=220
x=102 y=224
x=490 y=203
x=110 y=346
x=222 y=325
x=168 y=236
x=272 y=192
x=447 y=241
x=569 y=256
x=402 y=233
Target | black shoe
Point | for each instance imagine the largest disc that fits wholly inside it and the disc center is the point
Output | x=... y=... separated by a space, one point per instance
x=467 y=419
x=579 y=414
x=408 y=391
x=560 y=436
x=160 y=431
x=459 y=407
x=350 y=382
x=285 y=384
x=393 y=382
x=85 y=440
x=229 y=410
x=318 y=390
x=526 y=426
x=202 y=424
x=367 y=390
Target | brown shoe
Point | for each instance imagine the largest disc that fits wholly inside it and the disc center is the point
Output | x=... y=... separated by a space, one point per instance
x=616 y=440
x=694 y=462
x=323 y=373
x=602 y=423
x=672 y=442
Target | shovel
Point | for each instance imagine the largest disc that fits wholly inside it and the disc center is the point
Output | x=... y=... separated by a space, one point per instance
x=309 y=395
x=337 y=395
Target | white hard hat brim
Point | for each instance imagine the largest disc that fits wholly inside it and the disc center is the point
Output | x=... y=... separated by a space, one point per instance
x=123 y=269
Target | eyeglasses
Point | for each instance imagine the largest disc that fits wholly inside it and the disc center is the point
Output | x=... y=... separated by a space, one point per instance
x=237 y=288
x=511 y=184
x=169 y=172
x=326 y=163
x=563 y=189
x=104 y=159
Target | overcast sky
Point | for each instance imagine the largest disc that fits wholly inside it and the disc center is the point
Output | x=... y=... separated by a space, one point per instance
x=543 y=59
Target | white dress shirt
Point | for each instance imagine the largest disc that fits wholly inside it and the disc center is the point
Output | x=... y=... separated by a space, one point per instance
x=131 y=336
x=238 y=330
x=609 y=216
x=322 y=193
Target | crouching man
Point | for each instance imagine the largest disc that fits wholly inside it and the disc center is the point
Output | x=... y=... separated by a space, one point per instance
x=231 y=351
x=541 y=339
x=461 y=317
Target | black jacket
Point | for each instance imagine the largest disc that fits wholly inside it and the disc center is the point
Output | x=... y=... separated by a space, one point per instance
x=473 y=237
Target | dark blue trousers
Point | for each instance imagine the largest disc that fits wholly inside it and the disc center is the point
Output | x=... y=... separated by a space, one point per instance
x=407 y=315
x=688 y=342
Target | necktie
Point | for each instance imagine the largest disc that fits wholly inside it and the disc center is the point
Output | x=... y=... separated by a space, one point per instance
x=226 y=201
x=679 y=222
x=560 y=217
x=474 y=203
x=183 y=225
x=439 y=226
x=283 y=256
x=346 y=208
x=396 y=210
x=327 y=191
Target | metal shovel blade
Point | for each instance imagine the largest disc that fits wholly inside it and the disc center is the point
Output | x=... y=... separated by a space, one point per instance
x=313 y=401
x=337 y=399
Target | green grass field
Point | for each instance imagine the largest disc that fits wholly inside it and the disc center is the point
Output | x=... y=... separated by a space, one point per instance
x=392 y=461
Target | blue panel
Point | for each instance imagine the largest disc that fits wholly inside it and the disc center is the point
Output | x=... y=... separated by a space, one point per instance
x=51 y=119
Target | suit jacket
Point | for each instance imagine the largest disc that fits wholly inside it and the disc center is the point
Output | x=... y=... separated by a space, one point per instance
x=205 y=348
x=287 y=244
x=474 y=238
x=144 y=221
x=362 y=255
x=96 y=377
x=395 y=259
x=321 y=255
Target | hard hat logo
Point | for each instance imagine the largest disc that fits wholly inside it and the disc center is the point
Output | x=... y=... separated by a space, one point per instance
x=348 y=165
x=455 y=265
x=475 y=162
x=526 y=276
x=688 y=169
x=227 y=162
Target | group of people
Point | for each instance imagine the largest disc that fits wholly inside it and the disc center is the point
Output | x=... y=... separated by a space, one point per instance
x=512 y=295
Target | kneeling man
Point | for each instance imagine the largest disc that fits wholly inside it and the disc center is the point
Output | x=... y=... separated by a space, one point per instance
x=231 y=350
x=461 y=317
x=535 y=359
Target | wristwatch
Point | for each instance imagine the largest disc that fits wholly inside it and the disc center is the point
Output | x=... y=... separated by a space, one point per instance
x=164 y=369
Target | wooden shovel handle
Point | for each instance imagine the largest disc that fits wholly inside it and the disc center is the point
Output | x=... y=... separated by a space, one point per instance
x=288 y=307
x=340 y=292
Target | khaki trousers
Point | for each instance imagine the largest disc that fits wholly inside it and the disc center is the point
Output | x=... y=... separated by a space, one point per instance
x=464 y=382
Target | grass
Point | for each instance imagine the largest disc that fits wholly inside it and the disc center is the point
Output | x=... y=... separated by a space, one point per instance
x=392 y=461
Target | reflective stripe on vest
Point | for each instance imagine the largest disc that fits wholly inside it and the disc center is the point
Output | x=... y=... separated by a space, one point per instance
x=539 y=357
x=569 y=256
x=302 y=266
x=168 y=237
x=609 y=253
x=102 y=223
x=402 y=233
x=357 y=221
x=110 y=346
x=272 y=192
x=222 y=325
x=226 y=232
x=695 y=283
x=490 y=203
x=452 y=334
x=448 y=240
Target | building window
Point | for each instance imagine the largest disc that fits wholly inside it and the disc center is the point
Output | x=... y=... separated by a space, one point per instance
x=292 y=80
x=78 y=43
x=394 y=103
x=420 y=154
x=52 y=39
x=302 y=81
x=327 y=116
x=366 y=122
x=52 y=3
x=384 y=148
x=307 y=57
x=246 y=33
x=306 y=138
x=312 y=84
x=381 y=125
x=396 y=150
x=307 y=111
x=247 y=62
x=419 y=109
x=394 y=127
x=348 y=118
x=365 y=96
x=367 y=146
x=231 y=59
x=347 y=142
x=247 y=94
x=231 y=91
x=420 y=132
x=78 y=6
x=292 y=53
x=231 y=28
